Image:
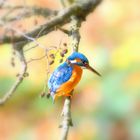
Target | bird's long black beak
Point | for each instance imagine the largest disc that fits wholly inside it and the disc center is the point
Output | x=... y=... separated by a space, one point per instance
x=92 y=69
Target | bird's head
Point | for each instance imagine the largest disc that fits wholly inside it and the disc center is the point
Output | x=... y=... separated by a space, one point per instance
x=82 y=61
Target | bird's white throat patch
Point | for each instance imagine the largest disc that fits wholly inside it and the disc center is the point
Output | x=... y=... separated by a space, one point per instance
x=73 y=61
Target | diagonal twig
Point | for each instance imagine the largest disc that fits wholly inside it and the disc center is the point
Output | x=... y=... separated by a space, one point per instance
x=19 y=80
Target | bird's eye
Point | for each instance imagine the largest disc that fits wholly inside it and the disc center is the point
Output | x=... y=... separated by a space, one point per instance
x=84 y=62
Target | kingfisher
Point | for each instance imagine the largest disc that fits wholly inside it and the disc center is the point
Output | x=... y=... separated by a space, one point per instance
x=66 y=76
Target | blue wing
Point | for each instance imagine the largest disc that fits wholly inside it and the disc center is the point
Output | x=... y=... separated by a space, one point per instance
x=59 y=76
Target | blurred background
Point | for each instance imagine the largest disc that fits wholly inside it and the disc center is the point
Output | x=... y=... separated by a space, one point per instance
x=103 y=108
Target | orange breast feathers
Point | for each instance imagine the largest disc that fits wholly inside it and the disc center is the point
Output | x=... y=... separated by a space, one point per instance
x=68 y=86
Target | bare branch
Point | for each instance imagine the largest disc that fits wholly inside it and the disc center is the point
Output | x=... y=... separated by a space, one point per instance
x=30 y=11
x=19 y=80
x=35 y=59
x=67 y=120
x=64 y=30
x=80 y=9
x=66 y=113
x=75 y=35
x=24 y=35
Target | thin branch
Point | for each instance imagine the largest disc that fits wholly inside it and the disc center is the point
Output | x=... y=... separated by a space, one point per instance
x=66 y=112
x=30 y=11
x=24 y=35
x=67 y=120
x=80 y=9
x=35 y=59
x=75 y=35
x=19 y=80
x=64 y=30
x=35 y=46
